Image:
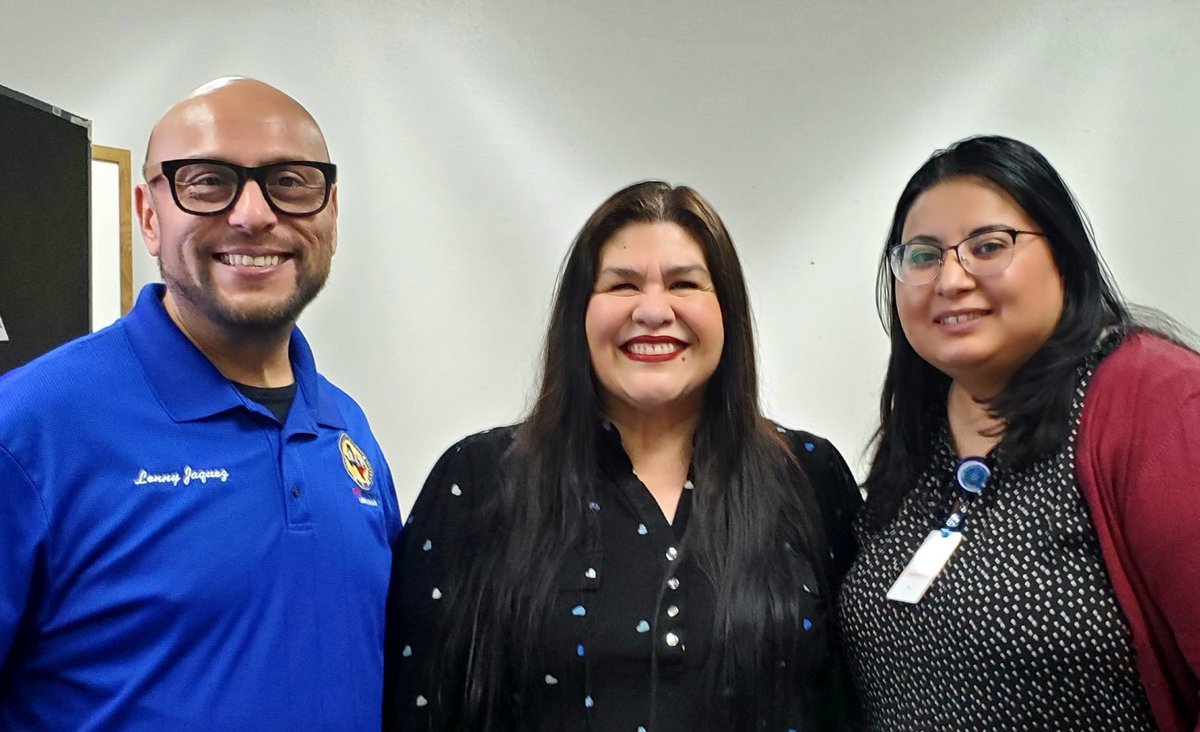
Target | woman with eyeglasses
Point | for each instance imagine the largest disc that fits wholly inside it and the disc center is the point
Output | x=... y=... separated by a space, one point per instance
x=1033 y=509
x=646 y=551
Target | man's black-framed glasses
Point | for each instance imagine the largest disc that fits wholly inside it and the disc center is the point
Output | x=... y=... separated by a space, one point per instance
x=983 y=254
x=206 y=187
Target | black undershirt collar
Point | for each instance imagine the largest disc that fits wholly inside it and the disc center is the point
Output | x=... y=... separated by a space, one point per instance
x=275 y=399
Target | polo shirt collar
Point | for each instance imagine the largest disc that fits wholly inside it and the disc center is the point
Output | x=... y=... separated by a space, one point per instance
x=190 y=388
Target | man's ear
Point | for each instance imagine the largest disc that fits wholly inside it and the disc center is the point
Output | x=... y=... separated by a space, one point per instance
x=147 y=217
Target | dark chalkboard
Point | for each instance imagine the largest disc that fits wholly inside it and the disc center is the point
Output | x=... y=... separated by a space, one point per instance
x=45 y=240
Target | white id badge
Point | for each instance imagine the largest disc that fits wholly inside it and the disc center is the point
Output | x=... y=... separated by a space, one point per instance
x=924 y=567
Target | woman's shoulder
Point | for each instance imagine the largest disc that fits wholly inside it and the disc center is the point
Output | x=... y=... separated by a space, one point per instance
x=485 y=445
x=811 y=449
x=467 y=471
x=823 y=465
x=1147 y=365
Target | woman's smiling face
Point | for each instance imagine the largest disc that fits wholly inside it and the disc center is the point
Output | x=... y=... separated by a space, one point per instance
x=978 y=330
x=654 y=326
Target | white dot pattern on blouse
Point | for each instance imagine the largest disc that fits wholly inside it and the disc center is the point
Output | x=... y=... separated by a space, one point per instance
x=1020 y=632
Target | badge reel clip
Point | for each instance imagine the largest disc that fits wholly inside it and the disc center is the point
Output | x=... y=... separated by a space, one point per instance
x=930 y=559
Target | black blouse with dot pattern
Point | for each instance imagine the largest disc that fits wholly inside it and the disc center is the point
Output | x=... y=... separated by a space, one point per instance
x=1021 y=631
x=634 y=593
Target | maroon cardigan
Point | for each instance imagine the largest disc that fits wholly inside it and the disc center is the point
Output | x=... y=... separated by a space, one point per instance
x=1138 y=466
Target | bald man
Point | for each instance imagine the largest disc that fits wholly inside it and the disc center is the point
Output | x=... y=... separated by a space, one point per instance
x=195 y=526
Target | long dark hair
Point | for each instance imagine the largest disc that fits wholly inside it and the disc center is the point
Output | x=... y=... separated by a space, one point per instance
x=1034 y=406
x=750 y=499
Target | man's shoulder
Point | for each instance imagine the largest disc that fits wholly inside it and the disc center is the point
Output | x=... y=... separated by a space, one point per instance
x=351 y=410
x=82 y=368
x=67 y=398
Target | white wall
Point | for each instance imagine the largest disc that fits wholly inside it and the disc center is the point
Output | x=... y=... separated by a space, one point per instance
x=474 y=138
x=106 y=243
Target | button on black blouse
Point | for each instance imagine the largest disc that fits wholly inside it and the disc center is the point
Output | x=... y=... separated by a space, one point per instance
x=630 y=607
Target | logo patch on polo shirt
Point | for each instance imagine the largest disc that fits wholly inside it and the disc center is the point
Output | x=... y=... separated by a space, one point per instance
x=358 y=467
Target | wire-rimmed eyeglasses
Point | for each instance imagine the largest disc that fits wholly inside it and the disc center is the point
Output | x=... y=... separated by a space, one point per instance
x=206 y=187
x=983 y=254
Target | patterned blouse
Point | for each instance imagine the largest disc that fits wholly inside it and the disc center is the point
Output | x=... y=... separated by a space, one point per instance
x=634 y=596
x=1021 y=631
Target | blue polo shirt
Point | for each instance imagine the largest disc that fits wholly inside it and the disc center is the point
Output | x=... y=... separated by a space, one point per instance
x=174 y=558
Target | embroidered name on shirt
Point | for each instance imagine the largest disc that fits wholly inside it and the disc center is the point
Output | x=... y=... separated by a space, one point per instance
x=189 y=474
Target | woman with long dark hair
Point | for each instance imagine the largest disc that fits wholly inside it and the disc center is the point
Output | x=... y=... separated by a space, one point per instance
x=645 y=551
x=1032 y=516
